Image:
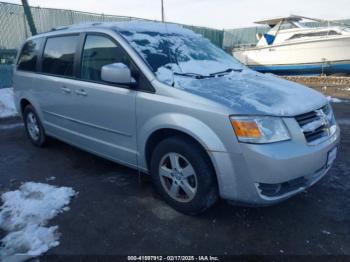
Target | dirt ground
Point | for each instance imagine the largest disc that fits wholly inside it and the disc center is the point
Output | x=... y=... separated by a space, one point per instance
x=334 y=86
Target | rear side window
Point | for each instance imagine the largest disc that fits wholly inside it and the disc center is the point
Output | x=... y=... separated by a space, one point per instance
x=58 y=58
x=29 y=55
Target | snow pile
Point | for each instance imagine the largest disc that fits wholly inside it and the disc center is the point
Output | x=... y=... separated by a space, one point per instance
x=24 y=215
x=7 y=105
x=334 y=99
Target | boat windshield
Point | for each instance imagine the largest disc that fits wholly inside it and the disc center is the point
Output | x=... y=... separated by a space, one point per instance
x=299 y=25
x=288 y=25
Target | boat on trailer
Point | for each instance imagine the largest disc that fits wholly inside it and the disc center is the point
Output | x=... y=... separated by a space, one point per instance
x=293 y=47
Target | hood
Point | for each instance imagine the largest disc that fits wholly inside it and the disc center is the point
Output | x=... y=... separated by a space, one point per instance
x=249 y=92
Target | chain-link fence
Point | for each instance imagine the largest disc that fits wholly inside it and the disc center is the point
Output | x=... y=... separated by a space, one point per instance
x=14 y=27
x=242 y=37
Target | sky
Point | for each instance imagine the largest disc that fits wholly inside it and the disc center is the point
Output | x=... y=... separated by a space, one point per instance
x=220 y=14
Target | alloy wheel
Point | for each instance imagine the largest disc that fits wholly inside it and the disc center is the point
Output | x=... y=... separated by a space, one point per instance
x=178 y=177
x=33 y=126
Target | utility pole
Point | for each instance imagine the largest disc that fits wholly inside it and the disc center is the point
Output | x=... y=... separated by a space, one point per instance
x=163 y=18
x=29 y=17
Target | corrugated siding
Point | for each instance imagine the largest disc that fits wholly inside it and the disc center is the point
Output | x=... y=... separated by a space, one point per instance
x=242 y=36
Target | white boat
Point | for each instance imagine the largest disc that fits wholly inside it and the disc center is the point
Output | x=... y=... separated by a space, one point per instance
x=293 y=48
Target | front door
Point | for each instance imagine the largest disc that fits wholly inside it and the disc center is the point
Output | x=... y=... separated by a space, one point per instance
x=102 y=116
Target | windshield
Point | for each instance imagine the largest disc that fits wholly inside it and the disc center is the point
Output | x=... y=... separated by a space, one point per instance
x=182 y=52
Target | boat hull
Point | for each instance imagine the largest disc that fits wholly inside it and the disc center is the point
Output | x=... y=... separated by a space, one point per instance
x=328 y=56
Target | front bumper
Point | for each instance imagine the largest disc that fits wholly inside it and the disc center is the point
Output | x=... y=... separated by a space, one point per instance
x=290 y=166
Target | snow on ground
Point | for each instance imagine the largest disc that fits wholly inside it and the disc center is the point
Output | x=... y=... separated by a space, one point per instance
x=7 y=105
x=24 y=216
x=334 y=99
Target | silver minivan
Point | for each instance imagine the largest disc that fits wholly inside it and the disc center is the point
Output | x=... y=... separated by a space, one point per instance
x=162 y=99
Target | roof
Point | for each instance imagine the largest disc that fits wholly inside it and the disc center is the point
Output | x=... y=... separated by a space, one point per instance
x=275 y=21
x=135 y=26
x=131 y=26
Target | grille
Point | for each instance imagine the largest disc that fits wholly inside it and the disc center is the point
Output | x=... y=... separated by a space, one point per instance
x=316 y=124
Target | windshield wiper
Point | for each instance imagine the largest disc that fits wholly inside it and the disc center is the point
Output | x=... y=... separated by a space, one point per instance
x=226 y=71
x=194 y=75
x=199 y=76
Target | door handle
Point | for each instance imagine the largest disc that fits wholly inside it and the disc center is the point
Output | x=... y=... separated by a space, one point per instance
x=66 y=90
x=81 y=92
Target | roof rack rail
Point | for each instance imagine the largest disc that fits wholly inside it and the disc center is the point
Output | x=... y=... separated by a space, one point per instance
x=59 y=28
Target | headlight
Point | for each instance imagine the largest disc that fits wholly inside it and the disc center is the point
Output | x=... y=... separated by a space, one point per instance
x=329 y=113
x=259 y=129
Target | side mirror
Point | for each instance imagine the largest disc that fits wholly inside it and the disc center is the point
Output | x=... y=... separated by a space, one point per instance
x=117 y=73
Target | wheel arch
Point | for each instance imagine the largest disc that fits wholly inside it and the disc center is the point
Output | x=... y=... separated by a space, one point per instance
x=23 y=103
x=164 y=133
x=165 y=125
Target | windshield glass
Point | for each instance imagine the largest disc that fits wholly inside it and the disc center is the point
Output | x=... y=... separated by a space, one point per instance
x=168 y=49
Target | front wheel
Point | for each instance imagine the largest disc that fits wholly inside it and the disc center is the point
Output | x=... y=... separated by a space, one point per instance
x=182 y=173
x=34 y=129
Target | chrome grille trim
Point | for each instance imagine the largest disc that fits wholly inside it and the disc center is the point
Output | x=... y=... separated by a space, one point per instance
x=316 y=125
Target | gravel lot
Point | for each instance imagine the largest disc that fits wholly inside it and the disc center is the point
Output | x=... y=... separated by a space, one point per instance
x=118 y=212
x=336 y=86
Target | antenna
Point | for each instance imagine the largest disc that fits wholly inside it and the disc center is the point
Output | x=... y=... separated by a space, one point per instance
x=163 y=18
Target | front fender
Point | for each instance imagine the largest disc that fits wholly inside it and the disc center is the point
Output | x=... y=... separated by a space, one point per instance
x=193 y=127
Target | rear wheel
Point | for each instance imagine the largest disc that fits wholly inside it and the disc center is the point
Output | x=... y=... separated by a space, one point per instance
x=182 y=173
x=34 y=129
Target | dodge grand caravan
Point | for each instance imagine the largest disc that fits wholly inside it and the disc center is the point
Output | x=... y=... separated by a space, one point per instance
x=161 y=99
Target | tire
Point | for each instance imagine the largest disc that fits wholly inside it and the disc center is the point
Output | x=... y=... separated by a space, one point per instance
x=171 y=164
x=33 y=126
